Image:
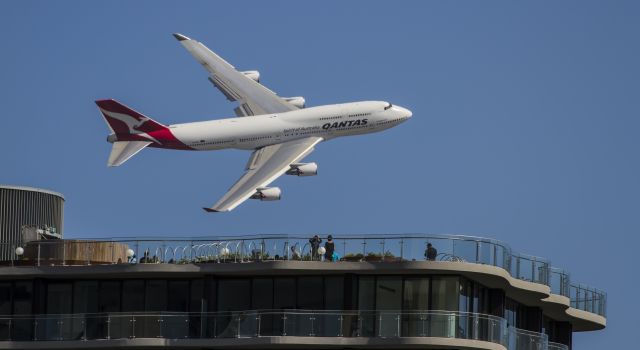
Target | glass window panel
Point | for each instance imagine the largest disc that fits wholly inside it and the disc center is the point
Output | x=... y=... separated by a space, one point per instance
x=22 y=304
x=389 y=298
x=211 y=293
x=196 y=301
x=389 y=293
x=5 y=298
x=85 y=300
x=85 y=297
x=262 y=299
x=262 y=294
x=334 y=293
x=23 y=297
x=109 y=299
x=284 y=293
x=416 y=293
x=366 y=293
x=444 y=293
x=133 y=295
x=444 y=296
x=284 y=297
x=329 y=325
x=197 y=304
x=5 y=309
x=310 y=293
x=156 y=295
x=58 y=301
x=366 y=302
x=234 y=294
x=178 y=296
x=466 y=295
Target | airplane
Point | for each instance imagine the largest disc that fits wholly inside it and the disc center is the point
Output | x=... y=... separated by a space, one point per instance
x=280 y=131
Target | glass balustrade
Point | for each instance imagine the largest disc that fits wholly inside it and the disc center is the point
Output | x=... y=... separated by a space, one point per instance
x=348 y=248
x=269 y=323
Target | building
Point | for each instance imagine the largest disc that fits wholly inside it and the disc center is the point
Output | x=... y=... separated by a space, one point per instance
x=20 y=206
x=272 y=292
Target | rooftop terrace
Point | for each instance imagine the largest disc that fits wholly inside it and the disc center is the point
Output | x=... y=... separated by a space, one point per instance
x=388 y=248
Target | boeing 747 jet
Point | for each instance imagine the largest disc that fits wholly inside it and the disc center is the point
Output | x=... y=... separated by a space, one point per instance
x=279 y=131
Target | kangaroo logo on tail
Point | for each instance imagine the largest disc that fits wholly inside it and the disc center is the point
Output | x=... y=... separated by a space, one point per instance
x=132 y=123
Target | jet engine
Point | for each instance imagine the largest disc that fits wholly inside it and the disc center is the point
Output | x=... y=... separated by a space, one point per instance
x=253 y=74
x=303 y=169
x=267 y=194
x=297 y=101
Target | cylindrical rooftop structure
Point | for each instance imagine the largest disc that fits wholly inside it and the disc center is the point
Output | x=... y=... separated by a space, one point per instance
x=20 y=206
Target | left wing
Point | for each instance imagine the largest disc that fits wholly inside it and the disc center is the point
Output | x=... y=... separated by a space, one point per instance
x=265 y=165
x=253 y=97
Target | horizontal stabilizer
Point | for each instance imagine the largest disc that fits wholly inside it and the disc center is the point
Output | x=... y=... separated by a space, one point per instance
x=123 y=150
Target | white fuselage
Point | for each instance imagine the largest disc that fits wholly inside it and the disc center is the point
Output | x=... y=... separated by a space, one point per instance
x=327 y=122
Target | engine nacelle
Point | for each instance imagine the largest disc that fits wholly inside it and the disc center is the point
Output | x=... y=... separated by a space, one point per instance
x=267 y=194
x=303 y=169
x=297 y=101
x=112 y=138
x=253 y=74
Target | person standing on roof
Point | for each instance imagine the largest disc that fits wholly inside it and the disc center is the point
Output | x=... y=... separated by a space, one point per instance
x=329 y=247
x=315 y=244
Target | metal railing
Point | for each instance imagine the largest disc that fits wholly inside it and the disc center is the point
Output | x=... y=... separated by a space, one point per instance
x=588 y=299
x=370 y=248
x=520 y=339
x=557 y=346
x=256 y=323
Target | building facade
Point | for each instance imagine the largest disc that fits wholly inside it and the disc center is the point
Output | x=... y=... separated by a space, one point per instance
x=274 y=292
x=21 y=206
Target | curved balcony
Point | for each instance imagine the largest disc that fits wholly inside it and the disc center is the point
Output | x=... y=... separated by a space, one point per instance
x=557 y=346
x=370 y=248
x=259 y=327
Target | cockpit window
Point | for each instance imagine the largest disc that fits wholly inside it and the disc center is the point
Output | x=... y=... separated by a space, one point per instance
x=387 y=107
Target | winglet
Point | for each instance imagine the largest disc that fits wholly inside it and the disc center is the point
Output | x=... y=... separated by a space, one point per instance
x=209 y=210
x=180 y=37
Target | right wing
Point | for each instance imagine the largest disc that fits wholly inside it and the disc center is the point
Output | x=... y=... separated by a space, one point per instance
x=253 y=97
x=265 y=165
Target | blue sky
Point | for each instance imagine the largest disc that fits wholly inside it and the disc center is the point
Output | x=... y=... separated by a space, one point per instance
x=525 y=127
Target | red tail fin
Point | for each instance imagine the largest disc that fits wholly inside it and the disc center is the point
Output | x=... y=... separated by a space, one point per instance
x=124 y=120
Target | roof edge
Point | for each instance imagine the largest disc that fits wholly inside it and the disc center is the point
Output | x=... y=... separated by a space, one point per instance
x=32 y=189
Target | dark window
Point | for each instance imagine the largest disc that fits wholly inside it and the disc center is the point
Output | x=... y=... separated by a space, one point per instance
x=284 y=293
x=109 y=299
x=445 y=293
x=156 y=295
x=415 y=300
x=262 y=294
x=416 y=293
x=234 y=294
x=366 y=301
x=5 y=298
x=58 y=302
x=262 y=299
x=133 y=295
x=178 y=296
x=197 y=301
x=389 y=298
x=85 y=300
x=5 y=309
x=310 y=293
x=389 y=293
x=334 y=293
x=85 y=297
x=22 y=305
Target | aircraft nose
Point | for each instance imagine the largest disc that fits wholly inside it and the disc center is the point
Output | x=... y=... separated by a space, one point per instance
x=405 y=112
